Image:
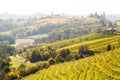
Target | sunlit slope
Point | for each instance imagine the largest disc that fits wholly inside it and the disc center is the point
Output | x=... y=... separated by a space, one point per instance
x=105 y=66
x=88 y=37
x=98 y=45
x=64 y=43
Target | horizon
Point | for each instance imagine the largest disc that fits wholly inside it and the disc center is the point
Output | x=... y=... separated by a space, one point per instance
x=73 y=7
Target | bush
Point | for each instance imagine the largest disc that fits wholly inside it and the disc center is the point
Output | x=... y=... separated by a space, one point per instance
x=59 y=59
x=83 y=49
x=22 y=70
x=32 y=70
x=64 y=53
x=12 y=76
x=6 y=69
x=71 y=57
x=51 y=61
x=108 y=47
x=34 y=56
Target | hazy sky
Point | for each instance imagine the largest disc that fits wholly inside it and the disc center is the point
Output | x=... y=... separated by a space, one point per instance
x=72 y=7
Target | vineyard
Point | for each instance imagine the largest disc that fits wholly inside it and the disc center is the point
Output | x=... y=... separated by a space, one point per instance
x=104 y=66
x=98 y=45
x=77 y=40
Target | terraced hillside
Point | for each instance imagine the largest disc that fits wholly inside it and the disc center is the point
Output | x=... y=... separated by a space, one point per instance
x=72 y=41
x=104 y=66
x=98 y=45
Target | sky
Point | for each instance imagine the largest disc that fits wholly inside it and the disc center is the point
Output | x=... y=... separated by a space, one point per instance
x=71 y=7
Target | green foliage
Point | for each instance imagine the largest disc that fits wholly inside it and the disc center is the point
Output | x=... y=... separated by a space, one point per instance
x=51 y=61
x=6 y=69
x=6 y=49
x=22 y=70
x=71 y=57
x=64 y=52
x=83 y=49
x=59 y=59
x=104 y=66
x=8 y=39
x=34 y=56
x=108 y=47
x=12 y=76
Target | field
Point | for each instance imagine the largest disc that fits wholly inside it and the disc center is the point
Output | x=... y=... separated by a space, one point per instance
x=21 y=43
x=17 y=61
x=96 y=42
x=98 y=45
x=104 y=66
x=39 y=36
x=64 y=43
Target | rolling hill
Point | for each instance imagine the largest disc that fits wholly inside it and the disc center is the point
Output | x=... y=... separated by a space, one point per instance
x=104 y=66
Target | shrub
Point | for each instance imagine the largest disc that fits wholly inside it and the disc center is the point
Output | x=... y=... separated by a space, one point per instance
x=6 y=69
x=34 y=56
x=108 y=47
x=71 y=57
x=32 y=70
x=12 y=76
x=59 y=59
x=64 y=53
x=51 y=61
x=83 y=49
x=22 y=70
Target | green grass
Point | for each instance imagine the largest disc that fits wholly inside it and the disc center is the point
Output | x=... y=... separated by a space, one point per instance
x=104 y=66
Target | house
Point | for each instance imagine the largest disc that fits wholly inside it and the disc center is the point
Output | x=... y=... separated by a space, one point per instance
x=111 y=30
x=86 y=53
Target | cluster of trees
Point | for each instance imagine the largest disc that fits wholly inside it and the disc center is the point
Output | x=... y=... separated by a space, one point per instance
x=6 y=25
x=47 y=55
x=5 y=38
x=5 y=51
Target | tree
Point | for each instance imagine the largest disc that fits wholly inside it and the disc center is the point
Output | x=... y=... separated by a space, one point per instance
x=83 y=49
x=51 y=61
x=99 y=30
x=22 y=70
x=59 y=59
x=64 y=53
x=6 y=69
x=109 y=47
x=34 y=56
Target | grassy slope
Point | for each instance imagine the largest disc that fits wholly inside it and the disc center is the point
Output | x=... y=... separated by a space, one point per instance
x=78 y=39
x=36 y=23
x=104 y=66
x=98 y=45
x=64 y=43
x=99 y=67
x=17 y=61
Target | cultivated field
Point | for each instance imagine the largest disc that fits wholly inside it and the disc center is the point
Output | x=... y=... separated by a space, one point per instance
x=104 y=66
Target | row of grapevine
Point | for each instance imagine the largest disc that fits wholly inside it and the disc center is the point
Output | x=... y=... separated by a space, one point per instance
x=104 y=66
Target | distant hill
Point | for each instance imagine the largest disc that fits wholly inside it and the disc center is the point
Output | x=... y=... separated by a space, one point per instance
x=113 y=17
x=15 y=16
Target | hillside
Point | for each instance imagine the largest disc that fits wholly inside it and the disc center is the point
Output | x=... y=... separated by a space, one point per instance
x=95 y=42
x=98 y=45
x=67 y=42
x=104 y=66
